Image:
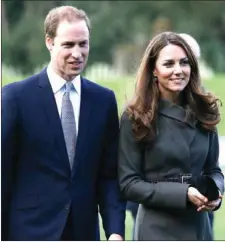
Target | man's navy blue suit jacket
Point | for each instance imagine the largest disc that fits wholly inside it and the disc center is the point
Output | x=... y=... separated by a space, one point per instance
x=38 y=186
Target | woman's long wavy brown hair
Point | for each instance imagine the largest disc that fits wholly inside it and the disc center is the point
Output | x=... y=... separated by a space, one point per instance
x=142 y=110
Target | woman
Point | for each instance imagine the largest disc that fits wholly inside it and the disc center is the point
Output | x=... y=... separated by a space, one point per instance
x=168 y=158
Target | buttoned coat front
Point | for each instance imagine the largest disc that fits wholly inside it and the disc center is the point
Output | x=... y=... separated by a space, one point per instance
x=38 y=187
x=180 y=147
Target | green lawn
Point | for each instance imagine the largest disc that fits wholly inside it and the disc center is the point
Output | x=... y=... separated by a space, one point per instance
x=217 y=87
x=219 y=225
x=123 y=89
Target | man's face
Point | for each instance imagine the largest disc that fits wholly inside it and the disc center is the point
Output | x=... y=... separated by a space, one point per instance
x=69 y=49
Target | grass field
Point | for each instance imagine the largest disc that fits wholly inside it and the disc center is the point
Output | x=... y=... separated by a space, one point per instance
x=123 y=89
x=219 y=226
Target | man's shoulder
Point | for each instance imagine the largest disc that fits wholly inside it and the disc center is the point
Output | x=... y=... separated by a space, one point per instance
x=18 y=86
x=97 y=88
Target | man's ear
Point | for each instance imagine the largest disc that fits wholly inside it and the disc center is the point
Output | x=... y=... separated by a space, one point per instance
x=49 y=42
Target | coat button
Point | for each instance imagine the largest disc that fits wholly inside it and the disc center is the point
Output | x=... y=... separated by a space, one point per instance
x=67 y=206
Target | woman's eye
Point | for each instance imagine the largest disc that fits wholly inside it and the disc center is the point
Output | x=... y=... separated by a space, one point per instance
x=168 y=64
x=185 y=62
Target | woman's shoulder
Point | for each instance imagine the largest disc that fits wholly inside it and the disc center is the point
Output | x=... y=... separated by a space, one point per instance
x=125 y=115
x=125 y=118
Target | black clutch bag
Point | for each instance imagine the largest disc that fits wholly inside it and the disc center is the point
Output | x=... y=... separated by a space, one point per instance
x=206 y=187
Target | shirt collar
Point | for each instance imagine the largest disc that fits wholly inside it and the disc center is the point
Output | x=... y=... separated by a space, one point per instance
x=58 y=82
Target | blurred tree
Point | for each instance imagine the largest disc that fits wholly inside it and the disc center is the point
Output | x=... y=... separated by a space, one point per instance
x=13 y=11
x=114 y=23
x=161 y=24
x=5 y=27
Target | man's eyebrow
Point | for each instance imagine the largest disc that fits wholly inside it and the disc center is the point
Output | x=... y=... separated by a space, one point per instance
x=72 y=42
x=68 y=42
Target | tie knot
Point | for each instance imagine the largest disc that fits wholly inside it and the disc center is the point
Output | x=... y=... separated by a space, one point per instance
x=69 y=86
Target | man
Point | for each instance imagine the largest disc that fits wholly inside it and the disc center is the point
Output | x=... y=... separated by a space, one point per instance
x=59 y=145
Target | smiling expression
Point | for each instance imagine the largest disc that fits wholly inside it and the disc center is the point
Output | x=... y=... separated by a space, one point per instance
x=172 y=70
x=69 y=49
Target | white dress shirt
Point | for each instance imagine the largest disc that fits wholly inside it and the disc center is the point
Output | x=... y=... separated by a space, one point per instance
x=58 y=88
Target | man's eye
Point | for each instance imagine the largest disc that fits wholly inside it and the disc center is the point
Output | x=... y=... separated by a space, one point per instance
x=68 y=45
x=82 y=44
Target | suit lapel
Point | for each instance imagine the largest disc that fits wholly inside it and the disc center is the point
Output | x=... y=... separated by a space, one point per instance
x=84 y=123
x=48 y=102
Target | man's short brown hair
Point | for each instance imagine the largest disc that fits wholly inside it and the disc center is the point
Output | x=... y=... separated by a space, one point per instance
x=58 y=14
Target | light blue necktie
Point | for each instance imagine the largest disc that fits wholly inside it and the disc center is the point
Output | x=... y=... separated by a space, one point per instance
x=68 y=123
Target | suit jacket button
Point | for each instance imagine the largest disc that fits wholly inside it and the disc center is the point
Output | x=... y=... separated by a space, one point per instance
x=67 y=206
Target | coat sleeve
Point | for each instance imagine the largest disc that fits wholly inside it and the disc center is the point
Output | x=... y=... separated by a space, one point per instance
x=212 y=168
x=132 y=181
x=212 y=162
x=111 y=205
x=9 y=138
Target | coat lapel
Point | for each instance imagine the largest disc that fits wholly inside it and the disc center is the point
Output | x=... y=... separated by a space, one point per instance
x=176 y=112
x=48 y=102
x=84 y=122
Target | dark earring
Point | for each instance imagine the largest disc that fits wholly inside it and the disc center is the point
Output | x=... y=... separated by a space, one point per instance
x=155 y=79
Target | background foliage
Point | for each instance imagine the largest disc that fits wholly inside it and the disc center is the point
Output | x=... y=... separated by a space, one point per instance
x=114 y=24
x=119 y=28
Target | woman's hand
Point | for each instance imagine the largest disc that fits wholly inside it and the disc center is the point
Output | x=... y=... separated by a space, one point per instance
x=195 y=197
x=211 y=205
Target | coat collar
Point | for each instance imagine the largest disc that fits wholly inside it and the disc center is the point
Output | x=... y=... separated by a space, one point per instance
x=177 y=112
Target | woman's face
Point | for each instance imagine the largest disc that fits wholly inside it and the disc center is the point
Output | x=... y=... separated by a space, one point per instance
x=172 y=70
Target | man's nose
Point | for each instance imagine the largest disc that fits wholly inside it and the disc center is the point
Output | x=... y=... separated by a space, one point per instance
x=76 y=53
